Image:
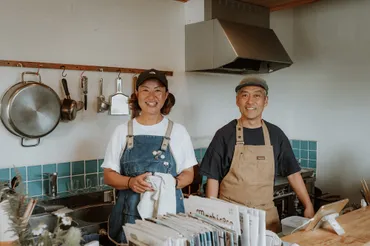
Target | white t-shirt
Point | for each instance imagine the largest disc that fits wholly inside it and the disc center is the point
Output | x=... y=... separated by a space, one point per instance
x=180 y=144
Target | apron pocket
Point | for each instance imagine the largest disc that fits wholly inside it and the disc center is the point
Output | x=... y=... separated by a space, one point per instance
x=137 y=167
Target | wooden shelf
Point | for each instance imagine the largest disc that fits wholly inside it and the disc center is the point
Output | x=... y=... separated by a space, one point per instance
x=41 y=65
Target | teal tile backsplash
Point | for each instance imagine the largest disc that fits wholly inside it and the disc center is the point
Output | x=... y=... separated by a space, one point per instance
x=34 y=173
x=22 y=171
x=77 y=175
x=199 y=153
x=72 y=176
x=100 y=162
x=91 y=166
x=49 y=168
x=305 y=152
x=5 y=174
x=64 y=184
x=64 y=169
x=35 y=188
x=78 y=167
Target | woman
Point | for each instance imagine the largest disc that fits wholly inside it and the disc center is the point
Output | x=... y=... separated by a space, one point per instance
x=144 y=145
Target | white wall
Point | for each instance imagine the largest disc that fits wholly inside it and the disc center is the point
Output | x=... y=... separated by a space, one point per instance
x=130 y=33
x=322 y=97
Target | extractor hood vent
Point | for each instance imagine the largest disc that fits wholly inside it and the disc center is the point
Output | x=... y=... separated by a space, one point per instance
x=226 y=46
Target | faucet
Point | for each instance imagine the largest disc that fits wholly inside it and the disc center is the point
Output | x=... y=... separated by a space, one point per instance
x=53 y=184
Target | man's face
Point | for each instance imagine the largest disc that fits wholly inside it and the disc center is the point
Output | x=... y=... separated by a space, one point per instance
x=251 y=101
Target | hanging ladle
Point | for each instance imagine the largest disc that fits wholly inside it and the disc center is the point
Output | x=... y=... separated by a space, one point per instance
x=102 y=104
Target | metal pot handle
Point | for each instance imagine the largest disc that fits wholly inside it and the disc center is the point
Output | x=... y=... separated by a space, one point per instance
x=32 y=145
x=33 y=73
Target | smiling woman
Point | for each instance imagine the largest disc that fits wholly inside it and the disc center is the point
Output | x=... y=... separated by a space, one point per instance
x=147 y=144
x=145 y=90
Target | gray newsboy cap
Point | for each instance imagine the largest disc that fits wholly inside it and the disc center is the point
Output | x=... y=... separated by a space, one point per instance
x=256 y=81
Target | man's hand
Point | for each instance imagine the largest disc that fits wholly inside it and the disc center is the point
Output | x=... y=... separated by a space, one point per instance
x=309 y=212
x=299 y=187
x=138 y=183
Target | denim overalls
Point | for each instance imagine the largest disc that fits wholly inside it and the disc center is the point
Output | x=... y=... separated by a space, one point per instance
x=143 y=153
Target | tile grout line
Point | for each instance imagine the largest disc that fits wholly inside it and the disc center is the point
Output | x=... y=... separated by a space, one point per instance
x=70 y=176
x=27 y=180
x=42 y=178
x=97 y=172
x=84 y=174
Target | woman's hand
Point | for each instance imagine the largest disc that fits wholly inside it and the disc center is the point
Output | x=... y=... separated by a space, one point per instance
x=138 y=183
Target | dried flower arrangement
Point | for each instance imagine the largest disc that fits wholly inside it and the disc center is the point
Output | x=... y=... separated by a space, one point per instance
x=20 y=209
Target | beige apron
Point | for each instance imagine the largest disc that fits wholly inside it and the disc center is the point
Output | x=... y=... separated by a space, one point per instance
x=250 y=180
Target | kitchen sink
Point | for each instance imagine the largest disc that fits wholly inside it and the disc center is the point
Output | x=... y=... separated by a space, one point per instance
x=92 y=214
x=48 y=219
x=90 y=219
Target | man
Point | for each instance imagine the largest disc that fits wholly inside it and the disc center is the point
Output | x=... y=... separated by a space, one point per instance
x=245 y=155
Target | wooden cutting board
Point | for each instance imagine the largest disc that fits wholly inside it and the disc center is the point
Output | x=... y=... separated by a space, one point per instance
x=356 y=225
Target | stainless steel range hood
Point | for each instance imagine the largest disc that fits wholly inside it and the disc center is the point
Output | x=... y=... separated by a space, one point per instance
x=234 y=44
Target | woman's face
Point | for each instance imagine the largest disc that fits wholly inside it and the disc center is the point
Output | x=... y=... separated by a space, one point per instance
x=151 y=96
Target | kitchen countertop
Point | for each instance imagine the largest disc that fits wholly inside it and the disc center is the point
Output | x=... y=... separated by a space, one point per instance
x=305 y=172
x=356 y=225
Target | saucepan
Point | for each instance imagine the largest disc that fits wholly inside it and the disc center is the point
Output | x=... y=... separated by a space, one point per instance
x=30 y=109
x=69 y=106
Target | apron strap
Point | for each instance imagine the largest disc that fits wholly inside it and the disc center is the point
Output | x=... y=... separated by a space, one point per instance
x=266 y=134
x=167 y=137
x=240 y=137
x=239 y=133
x=130 y=135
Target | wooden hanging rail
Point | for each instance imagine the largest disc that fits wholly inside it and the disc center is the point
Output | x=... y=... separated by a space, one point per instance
x=8 y=63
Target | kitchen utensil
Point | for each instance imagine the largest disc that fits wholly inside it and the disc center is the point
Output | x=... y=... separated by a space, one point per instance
x=84 y=83
x=69 y=106
x=364 y=197
x=30 y=109
x=102 y=104
x=14 y=183
x=80 y=105
x=29 y=209
x=119 y=101
x=366 y=190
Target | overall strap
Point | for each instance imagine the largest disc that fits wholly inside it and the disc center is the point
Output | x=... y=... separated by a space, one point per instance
x=266 y=134
x=239 y=133
x=130 y=134
x=167 y=138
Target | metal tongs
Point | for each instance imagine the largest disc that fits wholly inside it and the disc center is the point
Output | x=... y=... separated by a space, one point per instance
x=84 y=84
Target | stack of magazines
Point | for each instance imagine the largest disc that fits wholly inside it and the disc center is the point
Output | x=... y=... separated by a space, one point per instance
x=207 y=222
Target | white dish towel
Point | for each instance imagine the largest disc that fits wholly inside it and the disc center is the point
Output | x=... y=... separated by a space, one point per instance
x=160 y=201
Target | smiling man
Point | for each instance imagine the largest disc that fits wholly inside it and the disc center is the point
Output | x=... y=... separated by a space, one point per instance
x=245 y=155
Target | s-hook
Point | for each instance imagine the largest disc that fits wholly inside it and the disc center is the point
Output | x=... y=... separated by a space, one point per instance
x=64 y=69
x=119 y=73
x=38 y=70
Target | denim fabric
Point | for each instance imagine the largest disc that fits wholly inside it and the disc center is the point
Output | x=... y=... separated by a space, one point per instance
x=135 y=161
